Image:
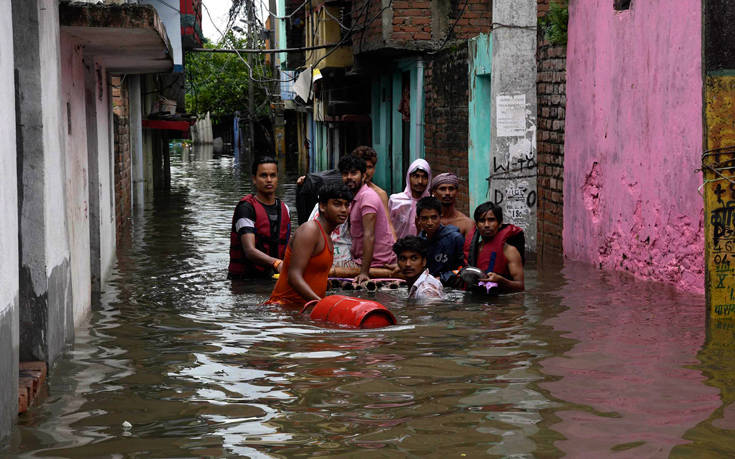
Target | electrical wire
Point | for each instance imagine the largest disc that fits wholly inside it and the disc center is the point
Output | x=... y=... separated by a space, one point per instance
x=451 y=30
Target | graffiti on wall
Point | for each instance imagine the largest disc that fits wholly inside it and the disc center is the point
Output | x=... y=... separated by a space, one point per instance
x=513 y=179
x=719 y=197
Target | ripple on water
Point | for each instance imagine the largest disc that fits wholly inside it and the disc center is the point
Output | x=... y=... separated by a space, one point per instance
x=584 y=363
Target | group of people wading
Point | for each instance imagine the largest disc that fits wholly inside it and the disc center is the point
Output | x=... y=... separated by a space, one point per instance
x=357 y=231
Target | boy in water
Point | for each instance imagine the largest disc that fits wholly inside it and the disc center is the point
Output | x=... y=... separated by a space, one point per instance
x=308 y=259
x=489 y=249
x=411 y=252
x=445 y=244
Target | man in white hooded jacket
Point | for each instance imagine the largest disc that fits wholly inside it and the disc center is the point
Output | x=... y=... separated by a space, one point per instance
x=403 y=205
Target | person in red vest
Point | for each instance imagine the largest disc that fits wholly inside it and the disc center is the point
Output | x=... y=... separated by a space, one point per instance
x=493 y=248
x=261 y=226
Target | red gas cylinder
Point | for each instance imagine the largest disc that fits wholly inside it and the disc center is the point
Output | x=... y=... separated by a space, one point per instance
x=352 y=312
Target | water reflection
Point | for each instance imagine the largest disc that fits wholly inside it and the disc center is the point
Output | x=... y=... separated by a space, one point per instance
x=630 y=373
x=583 y=363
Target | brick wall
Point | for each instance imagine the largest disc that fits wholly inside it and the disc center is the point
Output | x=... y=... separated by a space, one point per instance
x=551 y=93
x=367 y=20
x=411 y=20
x=418 y=24
x=477 y=18
x=446 y=112
x=122 y=157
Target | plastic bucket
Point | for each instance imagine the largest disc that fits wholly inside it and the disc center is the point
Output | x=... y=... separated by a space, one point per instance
x=352 y=312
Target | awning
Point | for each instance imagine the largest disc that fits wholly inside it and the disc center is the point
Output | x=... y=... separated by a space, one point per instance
x=167 y=125
x=126 y=38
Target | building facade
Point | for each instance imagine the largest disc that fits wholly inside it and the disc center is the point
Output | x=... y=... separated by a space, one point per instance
x=72 y=128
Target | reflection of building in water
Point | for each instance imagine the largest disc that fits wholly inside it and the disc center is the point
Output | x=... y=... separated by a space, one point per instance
x=717 y=363
x=628 y=380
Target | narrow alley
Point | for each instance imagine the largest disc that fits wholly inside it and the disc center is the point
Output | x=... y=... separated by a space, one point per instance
x=583 y=363
x=443 y=228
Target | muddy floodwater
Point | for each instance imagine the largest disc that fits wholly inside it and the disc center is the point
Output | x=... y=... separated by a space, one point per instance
x=583 y=364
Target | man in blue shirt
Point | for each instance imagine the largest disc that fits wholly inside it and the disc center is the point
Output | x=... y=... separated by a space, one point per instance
x=445 y=242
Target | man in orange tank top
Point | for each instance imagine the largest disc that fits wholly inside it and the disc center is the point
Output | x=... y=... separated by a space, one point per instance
x=305 y=271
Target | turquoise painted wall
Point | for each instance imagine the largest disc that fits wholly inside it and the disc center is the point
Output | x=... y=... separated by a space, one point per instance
x=380 y=115
x=396 y=135
x=281 y=29
x=387 y=123
x=480 y=60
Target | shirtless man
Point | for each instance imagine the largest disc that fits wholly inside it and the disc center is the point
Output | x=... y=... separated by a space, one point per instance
x=444 y=188
x=309 y=256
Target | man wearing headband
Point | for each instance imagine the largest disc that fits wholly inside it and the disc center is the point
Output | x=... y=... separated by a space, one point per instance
x=444 y=188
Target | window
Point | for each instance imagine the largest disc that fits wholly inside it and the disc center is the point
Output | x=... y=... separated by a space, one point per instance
x=621 y=5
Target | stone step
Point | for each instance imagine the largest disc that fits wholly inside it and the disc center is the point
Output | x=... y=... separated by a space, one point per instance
x=31 y=377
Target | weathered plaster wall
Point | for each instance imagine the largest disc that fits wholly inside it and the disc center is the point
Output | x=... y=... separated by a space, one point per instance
x=8 y=234
x=513 y=166
x=105 y=164
x=77 y=189
x=45 y=302
x=719 y=133
x=634 y=139
x=99 y=152
x=57 y=249
x=479 y=56
x=60 y=317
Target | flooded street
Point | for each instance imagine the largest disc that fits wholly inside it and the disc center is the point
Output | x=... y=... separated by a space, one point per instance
x=583 y=364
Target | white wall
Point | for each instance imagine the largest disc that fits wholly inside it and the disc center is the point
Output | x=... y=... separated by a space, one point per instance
x=77 y=190
x=8 y=177
x=171 y=17
x=105 y=149
x=57 y=249
x=513 y=167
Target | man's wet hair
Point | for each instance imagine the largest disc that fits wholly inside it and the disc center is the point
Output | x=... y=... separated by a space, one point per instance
x=428 y=203
x=411 y=244
x=262 y=160
x=486 y=207
x=334 y=191
x=366 y=153
x=351 y=163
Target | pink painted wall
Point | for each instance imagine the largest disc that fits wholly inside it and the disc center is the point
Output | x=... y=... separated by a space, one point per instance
x=634 y=139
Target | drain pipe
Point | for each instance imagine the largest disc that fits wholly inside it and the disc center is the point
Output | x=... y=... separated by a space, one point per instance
x=419 y=122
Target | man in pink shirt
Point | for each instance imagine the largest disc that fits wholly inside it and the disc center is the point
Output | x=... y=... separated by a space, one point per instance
x=372 y=239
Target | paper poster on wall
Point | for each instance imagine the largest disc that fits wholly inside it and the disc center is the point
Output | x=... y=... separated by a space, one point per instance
x=511 y=115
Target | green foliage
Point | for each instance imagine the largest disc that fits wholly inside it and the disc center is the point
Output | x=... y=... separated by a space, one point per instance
x=554 y=23
x=218 y=82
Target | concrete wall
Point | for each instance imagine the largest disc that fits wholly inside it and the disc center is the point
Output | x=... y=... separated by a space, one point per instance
x=77 y=189
x=513 y=165
x=171 y=18
x=46 y=312
x=8 y=233
x=106 y=179
x=99 y=152
x=634 y=139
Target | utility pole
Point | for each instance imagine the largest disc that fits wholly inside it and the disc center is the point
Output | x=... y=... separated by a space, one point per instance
x=251 y=93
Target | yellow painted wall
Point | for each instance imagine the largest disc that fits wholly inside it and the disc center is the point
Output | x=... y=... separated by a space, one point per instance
x=719 y=194
x=325 y=31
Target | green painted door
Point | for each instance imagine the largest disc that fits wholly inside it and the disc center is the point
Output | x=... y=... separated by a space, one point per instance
x=480 y=59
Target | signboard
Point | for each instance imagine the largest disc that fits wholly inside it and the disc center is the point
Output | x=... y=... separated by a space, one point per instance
x=510 y=114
